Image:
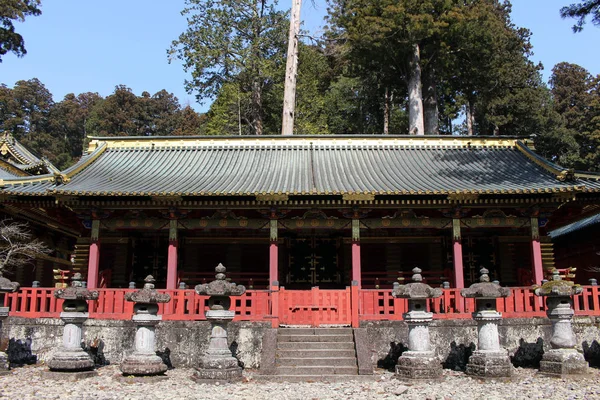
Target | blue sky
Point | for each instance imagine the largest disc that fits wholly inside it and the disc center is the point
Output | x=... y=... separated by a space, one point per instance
x=80 y=46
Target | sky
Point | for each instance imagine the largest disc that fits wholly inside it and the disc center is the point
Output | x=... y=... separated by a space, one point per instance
x=78 y=46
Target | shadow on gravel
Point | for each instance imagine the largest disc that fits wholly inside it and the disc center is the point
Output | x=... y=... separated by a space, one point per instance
x=528 y=355
x=591 y=352
x=391 y=359
x=459 y=356
x=19 y=353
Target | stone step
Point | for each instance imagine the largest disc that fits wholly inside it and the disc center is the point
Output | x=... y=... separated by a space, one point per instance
x=314 y=338
x=320 y=353
x=311 y=362
x=325 y=370
x=315 y=346
x=315 y=331
x=315 y=378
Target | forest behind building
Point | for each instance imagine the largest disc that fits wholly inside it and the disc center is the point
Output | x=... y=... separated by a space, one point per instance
x=433 y=67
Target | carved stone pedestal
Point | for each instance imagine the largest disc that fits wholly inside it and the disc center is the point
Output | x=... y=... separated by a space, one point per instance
x=490 y=360
x=71 y=357
x=419 y=362
x=218 y=364
x=144 y=360
x=563 y=358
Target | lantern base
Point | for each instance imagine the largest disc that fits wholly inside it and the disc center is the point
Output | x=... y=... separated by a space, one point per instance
x=561 y=362
x=418 y=365
x=490 y=364
x=143 y=365
x=66 y=360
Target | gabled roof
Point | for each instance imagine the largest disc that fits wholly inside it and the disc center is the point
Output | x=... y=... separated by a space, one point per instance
x=16 y=160
x=315 y=165
x=575 y=226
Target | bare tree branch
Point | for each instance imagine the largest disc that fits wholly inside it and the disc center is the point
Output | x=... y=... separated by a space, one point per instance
x=17 y=246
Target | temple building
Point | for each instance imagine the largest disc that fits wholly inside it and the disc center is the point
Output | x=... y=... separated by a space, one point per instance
x=301 y=212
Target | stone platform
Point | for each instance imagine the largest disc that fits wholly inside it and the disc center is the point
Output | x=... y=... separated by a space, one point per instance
x=68 y=376
x=485 y=364
x=563 y=362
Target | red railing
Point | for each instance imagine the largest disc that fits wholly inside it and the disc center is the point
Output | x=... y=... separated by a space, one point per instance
x=315 y=307
x=185 y=305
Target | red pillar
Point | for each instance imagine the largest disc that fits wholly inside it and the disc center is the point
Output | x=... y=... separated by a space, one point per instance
x=172 y=256
x=274 y=273
x=459 y=276
x=536 y=252
x=274 y=254
x=273 y=263
x=356 y=267
x=94 y=260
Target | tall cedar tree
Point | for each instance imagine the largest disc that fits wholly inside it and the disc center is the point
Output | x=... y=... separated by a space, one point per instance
x=15 y=10
x=235 y=42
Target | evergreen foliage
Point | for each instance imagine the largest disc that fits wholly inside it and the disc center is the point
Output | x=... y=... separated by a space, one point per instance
x=15 y=10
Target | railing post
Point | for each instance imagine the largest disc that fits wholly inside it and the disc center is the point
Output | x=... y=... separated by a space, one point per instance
x=354 y=304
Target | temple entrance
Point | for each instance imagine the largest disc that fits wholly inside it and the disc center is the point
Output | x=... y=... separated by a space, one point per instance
x=314 y=261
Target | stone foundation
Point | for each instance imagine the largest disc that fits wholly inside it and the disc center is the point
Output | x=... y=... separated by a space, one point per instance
x=560 y=362
x=188 y=341
x=419 y=366
x=486 y=364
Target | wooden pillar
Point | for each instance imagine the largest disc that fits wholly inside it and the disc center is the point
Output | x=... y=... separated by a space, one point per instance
x=536 y=252
x=274 y=253
x=459 y=275
x=94 y=260
x=274 y=272
x=172 y=255
x=356 y=268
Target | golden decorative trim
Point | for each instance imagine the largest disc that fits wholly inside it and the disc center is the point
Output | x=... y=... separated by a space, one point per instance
x=165 y=198
x=61 y=178
x=93 y=157
x=562 y=175
x=272 y=197
x=463 y=196
x=358 y=197
x=327 y=140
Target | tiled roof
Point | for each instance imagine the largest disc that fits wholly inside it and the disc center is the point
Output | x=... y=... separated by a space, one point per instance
x=575 y=226
x=305 y=165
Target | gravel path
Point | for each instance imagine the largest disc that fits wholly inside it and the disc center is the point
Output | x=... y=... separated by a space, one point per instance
x=27 y=383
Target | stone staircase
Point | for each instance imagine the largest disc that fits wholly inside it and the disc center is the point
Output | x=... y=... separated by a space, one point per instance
x=305 y=354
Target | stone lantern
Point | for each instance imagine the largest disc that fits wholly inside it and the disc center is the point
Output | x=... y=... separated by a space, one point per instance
x=489 y=360
x=419 y=362
x=144 y=361
x=563 y=358
x=6 y=286
x=218 y=364
x=71 y=357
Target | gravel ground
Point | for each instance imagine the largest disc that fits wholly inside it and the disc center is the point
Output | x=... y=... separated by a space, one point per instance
x=27 y=383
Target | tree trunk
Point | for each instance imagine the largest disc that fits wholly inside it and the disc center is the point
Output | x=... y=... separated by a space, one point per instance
x=257 y=107
x=387 y=106
x=469 y=118
x=415 y=96
x=430 y=104
x=291 y=71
